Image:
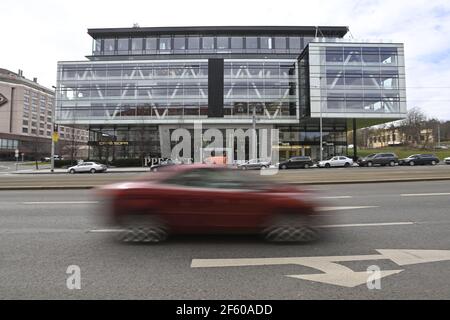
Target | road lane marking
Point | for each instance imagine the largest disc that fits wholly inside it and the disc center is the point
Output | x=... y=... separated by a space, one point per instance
x=366 y=224
x=345 y=208
x=39 y=230
x=333 y=272
x=104 y=230
x=60 y=202
x=425 y=194
x=336 y=197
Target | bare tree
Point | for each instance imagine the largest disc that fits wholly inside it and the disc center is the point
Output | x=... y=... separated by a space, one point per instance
x=413 y=125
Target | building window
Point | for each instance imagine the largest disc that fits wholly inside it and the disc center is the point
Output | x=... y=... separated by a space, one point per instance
x=266 y=43
x=237 y=43
x=136 y=45
x=280 y=44
x=223 y=43
x=251 y=43
x=122 y=46
x=165 y=44
x=25 y=122
x=109 y=46
x=25 y=130
x=151 y=45
x=295 y=44
x=179 y=44
x=208 y=43
x=193 y=44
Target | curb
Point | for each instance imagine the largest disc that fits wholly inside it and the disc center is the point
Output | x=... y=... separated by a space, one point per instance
x=78 y=187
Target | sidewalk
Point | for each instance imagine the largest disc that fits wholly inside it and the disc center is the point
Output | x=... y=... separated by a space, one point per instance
x=60 y=170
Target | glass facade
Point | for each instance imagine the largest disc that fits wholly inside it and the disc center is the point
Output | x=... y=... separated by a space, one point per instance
x=357 y=78
x=138 y=88
x=189 y=44
x=175 y=89
x=268 y=88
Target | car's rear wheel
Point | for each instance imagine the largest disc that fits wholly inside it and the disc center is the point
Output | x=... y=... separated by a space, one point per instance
x=72 y=171
x=142 y=229
x=347 y=165
x=306 y=166
x=290 y=228
x=392 y=163
x=263 y=167
x=92 y=170
x=433 y=163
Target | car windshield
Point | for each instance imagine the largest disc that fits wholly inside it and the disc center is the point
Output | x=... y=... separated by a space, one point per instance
x=413 y=156
x=371 y=155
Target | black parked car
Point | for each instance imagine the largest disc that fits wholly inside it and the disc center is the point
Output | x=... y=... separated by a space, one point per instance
x=296 y=162
x=421 y=159
x=381 y=159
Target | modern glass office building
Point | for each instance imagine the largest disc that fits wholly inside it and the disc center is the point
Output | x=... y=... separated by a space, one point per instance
x=140 y=84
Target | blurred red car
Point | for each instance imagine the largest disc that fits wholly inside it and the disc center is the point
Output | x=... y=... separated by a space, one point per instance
x=208 y=199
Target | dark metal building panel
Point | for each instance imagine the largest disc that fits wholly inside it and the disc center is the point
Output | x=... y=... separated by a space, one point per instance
x=215 y=88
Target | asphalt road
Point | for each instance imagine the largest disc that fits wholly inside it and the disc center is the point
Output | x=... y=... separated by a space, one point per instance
x=43 y=232
x=10 y=180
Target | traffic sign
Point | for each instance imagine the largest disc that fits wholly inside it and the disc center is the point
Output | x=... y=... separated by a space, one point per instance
x=55 y=136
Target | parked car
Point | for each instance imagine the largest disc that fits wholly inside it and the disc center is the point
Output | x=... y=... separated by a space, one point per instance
x=254 y=164
x=48 y=159
x=338 y=161
x=199 y=199
x=447 y=160
x=296 y=162
x=381 y=159
x=419 y=159
x=91 y=167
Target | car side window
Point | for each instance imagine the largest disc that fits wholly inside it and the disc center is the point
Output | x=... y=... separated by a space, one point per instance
x=342 y=158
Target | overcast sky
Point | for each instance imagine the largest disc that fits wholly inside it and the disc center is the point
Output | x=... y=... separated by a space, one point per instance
x=36 y=34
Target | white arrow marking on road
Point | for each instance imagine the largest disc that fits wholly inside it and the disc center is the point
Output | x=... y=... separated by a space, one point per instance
x=334 y=273
x=407 y=257
x=345 y=279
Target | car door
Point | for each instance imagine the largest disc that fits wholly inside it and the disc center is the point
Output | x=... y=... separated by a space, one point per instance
x=334 y=162
x=342 y=161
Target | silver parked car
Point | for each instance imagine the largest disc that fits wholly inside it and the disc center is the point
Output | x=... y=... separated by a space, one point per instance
x=338 y=161
x=254 y=164
x=91 y=167
x=447 y=160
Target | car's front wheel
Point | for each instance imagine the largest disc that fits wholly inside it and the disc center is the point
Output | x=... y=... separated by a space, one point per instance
x=283 y=167
x=290 y=228
x=72 y=171
x=411 y=163
x=369 y=164
x=327 y=165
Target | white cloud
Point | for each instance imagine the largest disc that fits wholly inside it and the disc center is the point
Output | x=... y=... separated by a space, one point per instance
x=36 y=34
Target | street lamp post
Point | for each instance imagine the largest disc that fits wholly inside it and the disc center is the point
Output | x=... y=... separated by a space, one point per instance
x=52 y=157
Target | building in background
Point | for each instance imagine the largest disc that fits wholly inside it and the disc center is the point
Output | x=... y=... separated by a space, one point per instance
x=26 y=119
x=140 y=84
x=380 y=138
